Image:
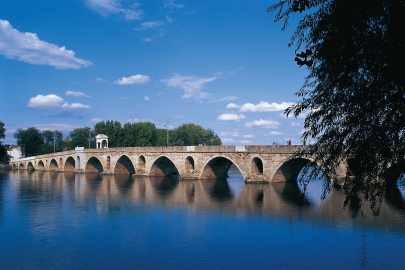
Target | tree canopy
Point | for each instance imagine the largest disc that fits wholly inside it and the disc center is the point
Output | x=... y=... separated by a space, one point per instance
x=146 y=134
x=35 y=142
x=354 y=94
x=79 y=137
x=3 y=150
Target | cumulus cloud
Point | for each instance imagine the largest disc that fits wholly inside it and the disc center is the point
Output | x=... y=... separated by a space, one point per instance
x=27 y=47
x=134 y=79
x=77 y=94
x=263 y=123
x=261 y=107
x=248 y=136
x=53 y=102
x=295 y=124
x=228 y=140
x=229 y=134
x=232 y=106
x=191 y=85
x=146 y=98
x=107 y=7
x=231 y=117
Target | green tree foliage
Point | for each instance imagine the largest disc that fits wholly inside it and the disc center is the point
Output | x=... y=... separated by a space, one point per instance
x=2 y=131
x=30 y=140
x=3 y=150
x=354 y=94
x=114 y=131
x=146 y=134
x=49 y=137
x=192 y=134
x=80 y=137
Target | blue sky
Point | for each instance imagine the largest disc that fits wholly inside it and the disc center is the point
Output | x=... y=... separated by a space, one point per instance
x=224 y=65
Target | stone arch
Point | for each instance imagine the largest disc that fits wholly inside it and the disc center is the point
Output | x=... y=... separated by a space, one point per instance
x=70 y=164
x=141 y=163
x=15 y=166
x=94 y=165
x=163 y=166
x=189 y=164
x=53 y=165
x=218 y=167
x=41 y=166
x=60 y=163
x=30 y=166
x=289 y=170
x=256 y=166
x=22 y=166
x=124 y=166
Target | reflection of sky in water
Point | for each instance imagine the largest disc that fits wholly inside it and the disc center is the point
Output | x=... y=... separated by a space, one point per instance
x=235 y=180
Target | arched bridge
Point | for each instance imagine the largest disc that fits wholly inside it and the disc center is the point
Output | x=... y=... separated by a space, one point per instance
x=256 y=163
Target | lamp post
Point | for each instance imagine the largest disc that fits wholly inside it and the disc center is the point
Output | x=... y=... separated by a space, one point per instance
x=167 y=127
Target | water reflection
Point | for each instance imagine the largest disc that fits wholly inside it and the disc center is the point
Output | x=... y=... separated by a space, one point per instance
x=110 y=193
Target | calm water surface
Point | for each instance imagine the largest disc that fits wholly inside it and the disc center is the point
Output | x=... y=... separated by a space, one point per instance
x=76 y=221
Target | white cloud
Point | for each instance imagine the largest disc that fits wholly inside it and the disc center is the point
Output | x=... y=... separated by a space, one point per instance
x=229 y=134
x=171 y=4
x=231 y=117
x=191 y=85
x=146 y=98
x=232 y=106
x=227 y=140
x=96 y=120
x=246 y=141
x=295 y=124
x=108 y=7
x=276 y=133
x=263 y=123
x=150 y=25
x=264 y=107
x=134 y=79
x=100 y=80
x=77 y=94
x=53 y=102
x=60 y=127
x=27 y=47
x=248 y=136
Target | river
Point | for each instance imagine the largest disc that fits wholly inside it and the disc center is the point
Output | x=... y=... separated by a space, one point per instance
x=89 y=221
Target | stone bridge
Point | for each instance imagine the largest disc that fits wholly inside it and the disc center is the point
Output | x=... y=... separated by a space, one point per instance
x=255 y=163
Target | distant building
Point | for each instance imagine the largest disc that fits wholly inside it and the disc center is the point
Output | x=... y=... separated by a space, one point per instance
x=14 y=152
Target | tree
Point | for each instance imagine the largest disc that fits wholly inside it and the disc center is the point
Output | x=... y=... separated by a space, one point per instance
x=354 y=94
x=114 y=131
x=51 y=137
x=80 y=137
x=3 y=150
x=192 y=134
x=30 y=141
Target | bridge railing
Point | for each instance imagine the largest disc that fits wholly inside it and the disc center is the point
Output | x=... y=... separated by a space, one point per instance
x=201 y=149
